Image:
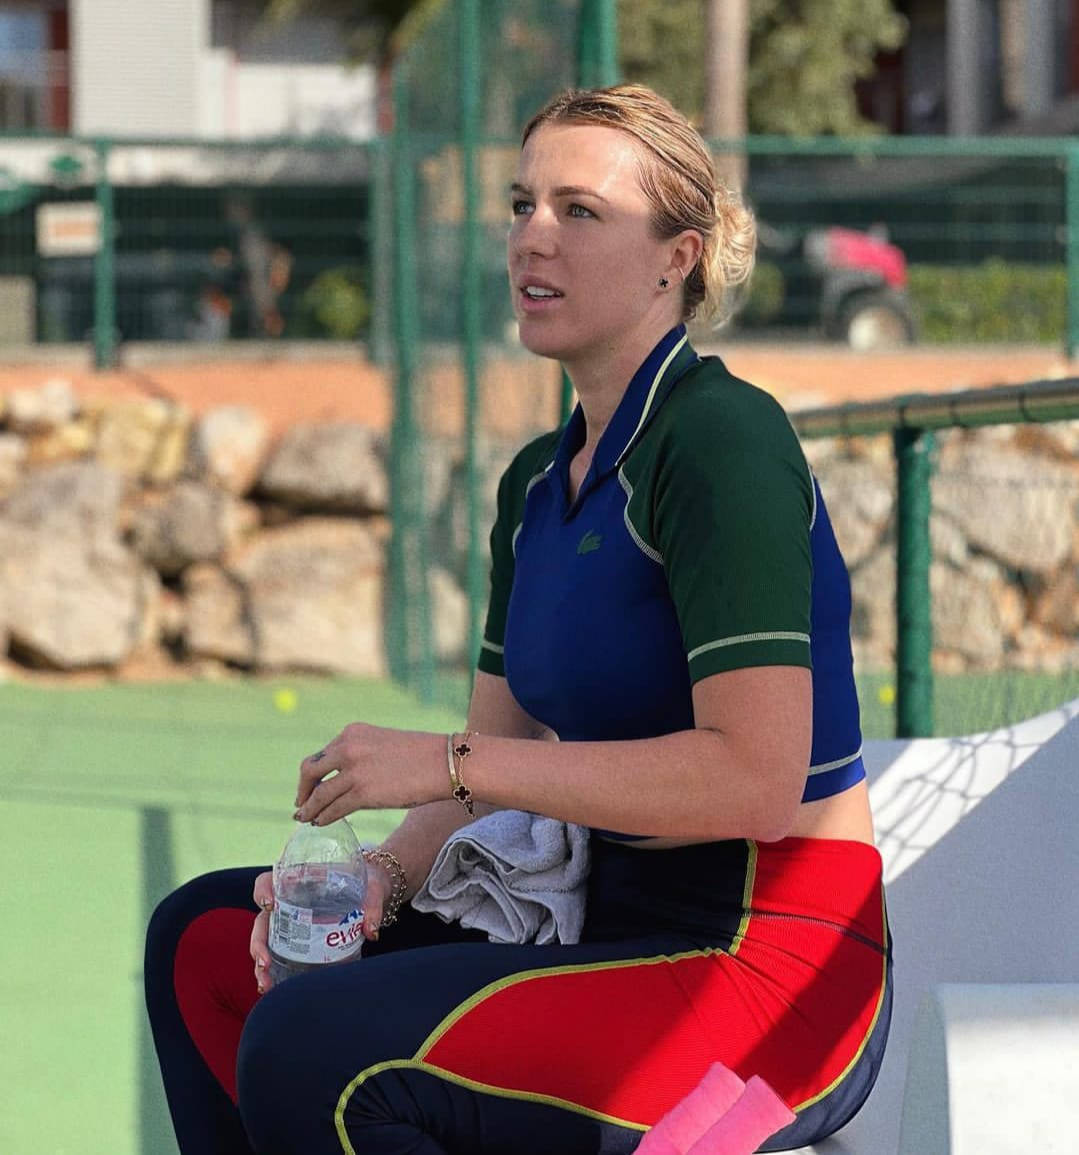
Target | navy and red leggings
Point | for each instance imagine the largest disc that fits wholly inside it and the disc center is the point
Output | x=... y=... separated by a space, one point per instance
x=772 y=958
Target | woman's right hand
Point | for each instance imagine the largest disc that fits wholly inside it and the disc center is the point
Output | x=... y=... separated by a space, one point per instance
x=379 y=888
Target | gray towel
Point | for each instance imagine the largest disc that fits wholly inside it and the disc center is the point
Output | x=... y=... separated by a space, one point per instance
x=518 y=876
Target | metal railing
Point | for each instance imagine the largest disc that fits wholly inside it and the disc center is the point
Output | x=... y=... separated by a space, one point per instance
x=911 y=420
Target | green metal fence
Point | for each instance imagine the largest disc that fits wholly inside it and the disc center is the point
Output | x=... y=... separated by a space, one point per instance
x=963 y=542
x=465 y=393
x=986 y=227
x=117 y=241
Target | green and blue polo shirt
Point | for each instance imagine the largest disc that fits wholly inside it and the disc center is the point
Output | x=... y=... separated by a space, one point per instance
x=697 y=543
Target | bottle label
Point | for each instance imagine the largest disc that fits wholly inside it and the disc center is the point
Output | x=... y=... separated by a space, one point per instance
x=299 y=934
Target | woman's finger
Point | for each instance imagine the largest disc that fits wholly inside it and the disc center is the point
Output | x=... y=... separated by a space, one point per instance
x=313 y=769
x=339 y=807
x=324 y=795
x=263 y=891
x=260 y=951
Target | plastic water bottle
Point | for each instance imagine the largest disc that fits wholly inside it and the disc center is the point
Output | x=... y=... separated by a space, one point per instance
x=320 y=882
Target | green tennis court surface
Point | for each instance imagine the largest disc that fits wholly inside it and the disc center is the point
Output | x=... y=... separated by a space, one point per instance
x=110 y=796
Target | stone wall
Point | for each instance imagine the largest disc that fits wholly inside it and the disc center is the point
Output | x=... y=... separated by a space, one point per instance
x=139 y=540
x=1004 y=533
x=134 y=537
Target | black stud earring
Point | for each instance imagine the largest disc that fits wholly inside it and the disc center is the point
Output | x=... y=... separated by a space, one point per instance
x=663 y=282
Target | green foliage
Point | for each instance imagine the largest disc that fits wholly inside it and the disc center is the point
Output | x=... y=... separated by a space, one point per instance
x=993 y=301
x=376 y=28
x=804 y=58
x=765 y=295
x=660 y=43
x=335 y=305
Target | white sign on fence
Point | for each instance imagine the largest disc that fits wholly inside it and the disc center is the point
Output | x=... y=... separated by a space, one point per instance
x=70 y=229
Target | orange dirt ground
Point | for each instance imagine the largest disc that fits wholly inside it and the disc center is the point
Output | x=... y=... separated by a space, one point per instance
x=288 y=388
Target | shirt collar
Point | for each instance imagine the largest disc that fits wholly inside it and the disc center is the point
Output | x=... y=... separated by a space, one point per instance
x=646 y=391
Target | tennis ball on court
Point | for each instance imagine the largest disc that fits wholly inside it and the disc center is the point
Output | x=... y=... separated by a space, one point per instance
x=886 y=695
x=285 y=699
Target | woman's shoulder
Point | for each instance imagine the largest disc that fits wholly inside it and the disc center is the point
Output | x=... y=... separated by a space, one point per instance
x=711 y=404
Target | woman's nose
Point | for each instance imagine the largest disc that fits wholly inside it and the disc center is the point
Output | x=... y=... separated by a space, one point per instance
x=535 y=233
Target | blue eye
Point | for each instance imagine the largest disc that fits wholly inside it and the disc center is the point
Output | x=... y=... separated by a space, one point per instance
x=521 y=207
x=579 y=211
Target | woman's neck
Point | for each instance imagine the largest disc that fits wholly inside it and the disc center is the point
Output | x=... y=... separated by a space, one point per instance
x=601 y=378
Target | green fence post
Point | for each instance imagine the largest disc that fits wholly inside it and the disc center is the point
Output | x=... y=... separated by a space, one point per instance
x=597 y=44
x=104 y=266
x=1073 y=250
x=469 y=37
x=380 y=249
x=409 y=645
x=914 y=629
x=597 y=67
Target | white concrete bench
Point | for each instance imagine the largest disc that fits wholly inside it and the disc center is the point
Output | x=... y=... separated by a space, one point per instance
x=980 y=838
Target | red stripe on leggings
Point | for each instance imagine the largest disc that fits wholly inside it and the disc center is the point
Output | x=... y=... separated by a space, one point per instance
x=794 y=1004
x=215 y=987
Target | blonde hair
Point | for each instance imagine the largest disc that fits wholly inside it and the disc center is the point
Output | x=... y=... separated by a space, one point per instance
x=679 y=179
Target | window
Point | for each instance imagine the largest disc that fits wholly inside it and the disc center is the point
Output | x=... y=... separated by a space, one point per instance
x=33 y=67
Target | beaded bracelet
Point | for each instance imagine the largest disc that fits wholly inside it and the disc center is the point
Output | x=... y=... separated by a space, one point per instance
x=398 y=881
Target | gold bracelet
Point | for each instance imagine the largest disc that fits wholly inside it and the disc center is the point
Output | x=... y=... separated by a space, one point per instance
x=456 y=753
x=398 y=881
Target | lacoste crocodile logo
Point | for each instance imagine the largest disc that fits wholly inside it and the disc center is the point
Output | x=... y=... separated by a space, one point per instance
x=590 y=542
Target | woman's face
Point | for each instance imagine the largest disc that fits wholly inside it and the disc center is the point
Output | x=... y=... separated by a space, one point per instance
x=584 y=265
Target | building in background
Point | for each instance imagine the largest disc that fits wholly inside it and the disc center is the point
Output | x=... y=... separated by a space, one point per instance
x=204 y=69
x=980 y=66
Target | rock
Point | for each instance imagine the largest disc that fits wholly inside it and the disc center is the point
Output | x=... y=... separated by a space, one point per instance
x=13 y=453
x=859 y=498
x=79 y=500
x=449 y=615
x=946 y=540
x=189 y=522
x=68 y=442
x=314 y=596
x=70 y=603
x=448 y=526
x=172 y=617
x=966 y=617
x=1014 y=506
x=333 y=468
x=1041 y=652
x=228 y=447
x=42 y=409
x=873 y=626
x=144 y=439
x=1057 y=606
x=217 y=621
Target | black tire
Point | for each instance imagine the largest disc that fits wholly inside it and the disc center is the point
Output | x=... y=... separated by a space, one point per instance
x=876 y=320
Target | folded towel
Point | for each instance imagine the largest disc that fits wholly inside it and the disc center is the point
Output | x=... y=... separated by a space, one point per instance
x=518 y=876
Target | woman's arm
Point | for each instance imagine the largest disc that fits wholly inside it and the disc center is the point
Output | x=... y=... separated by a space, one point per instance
x=739 y=773
x=423 y=831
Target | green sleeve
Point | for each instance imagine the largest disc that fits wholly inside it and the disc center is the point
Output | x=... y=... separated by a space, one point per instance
x=732 y=510
x=512 y=490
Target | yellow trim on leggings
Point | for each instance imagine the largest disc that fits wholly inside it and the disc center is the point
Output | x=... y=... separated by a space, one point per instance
x=471 y=1084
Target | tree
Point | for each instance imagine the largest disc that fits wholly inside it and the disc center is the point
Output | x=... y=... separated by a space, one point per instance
x=374 y=28
x=805 y=57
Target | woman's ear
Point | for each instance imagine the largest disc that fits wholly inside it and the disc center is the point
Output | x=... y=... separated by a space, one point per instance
x=686 y=253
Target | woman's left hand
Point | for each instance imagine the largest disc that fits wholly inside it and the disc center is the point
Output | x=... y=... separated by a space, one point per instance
x=371 y=768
